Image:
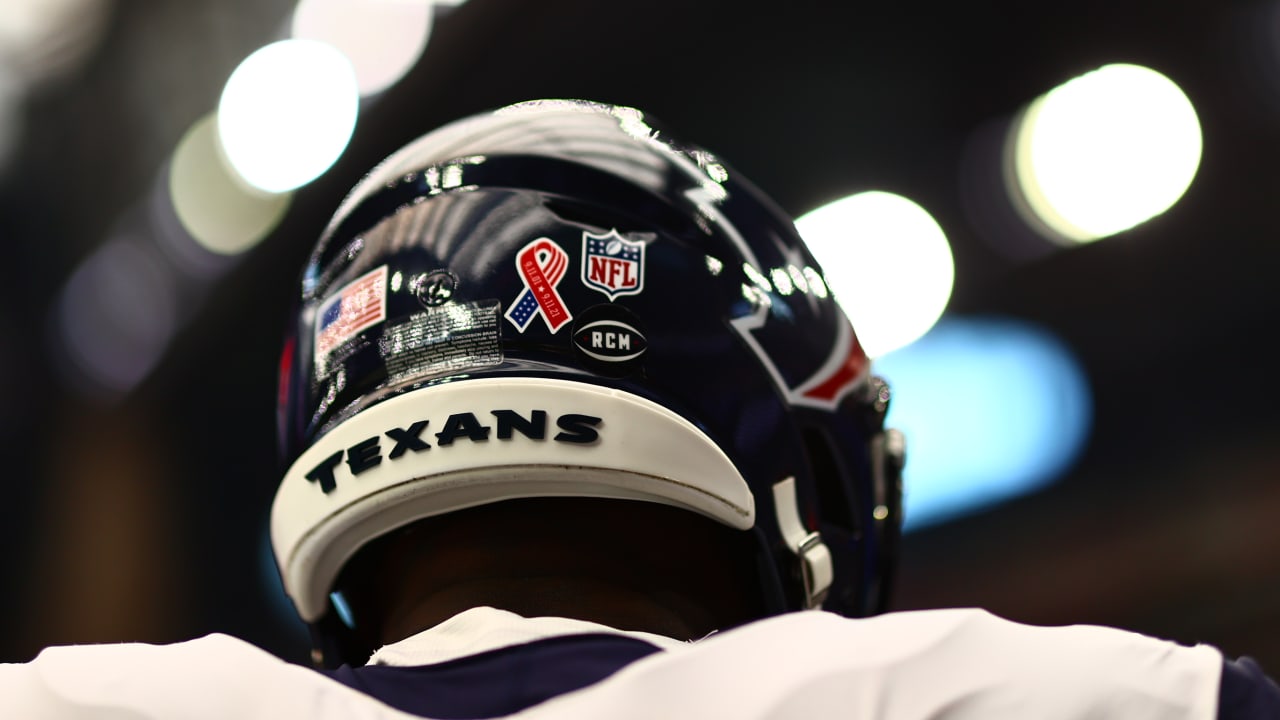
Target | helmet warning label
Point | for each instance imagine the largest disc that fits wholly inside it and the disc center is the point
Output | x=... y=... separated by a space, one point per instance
x=448 y=339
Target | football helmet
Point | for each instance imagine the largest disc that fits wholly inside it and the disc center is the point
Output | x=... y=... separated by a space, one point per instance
x=558 y=299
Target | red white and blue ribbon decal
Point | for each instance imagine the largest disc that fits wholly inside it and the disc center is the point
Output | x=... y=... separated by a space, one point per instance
x=541 y=265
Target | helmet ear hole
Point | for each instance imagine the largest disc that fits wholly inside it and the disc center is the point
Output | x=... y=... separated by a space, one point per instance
x=835 y=504
x=843 y=521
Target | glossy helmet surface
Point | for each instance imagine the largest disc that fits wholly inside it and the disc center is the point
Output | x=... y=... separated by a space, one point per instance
x=555 y=299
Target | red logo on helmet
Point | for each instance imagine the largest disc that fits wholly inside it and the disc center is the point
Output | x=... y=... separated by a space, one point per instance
x=845 y=368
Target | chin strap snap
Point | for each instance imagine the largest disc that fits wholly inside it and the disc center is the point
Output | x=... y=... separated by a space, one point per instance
x=816 y=570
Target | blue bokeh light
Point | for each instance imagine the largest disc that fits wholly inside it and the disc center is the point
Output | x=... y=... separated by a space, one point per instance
x=992 y=408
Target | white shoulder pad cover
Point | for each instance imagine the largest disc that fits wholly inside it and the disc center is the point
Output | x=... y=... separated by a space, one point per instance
x=923 y=665
x=471 y=442
x=214 y=677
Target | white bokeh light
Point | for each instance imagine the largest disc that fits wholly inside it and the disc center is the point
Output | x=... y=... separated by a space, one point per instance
x=218 y=211
x=1106 y=151
x=11 y=120
x=888 y=263
x=287 y=113
x=45 y=40
x=382 y=38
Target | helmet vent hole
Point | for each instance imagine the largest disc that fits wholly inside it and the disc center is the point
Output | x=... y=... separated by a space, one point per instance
x=835 y=507
x=581 y=214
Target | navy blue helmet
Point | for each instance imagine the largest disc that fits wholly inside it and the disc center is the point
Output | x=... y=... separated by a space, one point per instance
x=557 y=299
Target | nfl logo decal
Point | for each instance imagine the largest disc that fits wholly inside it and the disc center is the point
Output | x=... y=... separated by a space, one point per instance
x=612 y=264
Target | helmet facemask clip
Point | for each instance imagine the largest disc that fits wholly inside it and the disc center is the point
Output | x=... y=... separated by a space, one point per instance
x=813 y=559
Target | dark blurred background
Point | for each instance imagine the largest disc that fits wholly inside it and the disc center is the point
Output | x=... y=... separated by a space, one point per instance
x=135 y=509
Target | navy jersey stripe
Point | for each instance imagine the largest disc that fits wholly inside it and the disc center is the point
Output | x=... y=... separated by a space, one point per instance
x=499 y=682
x=1246 y=693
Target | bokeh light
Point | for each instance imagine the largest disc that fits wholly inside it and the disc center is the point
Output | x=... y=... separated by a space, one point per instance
x=10 y=115
x=382 y=38
x=991 y=408
x=215 y=207
x=115 y=317
x=1105 y=151
x=287 y=113
x=42 y=41
x=888 y=263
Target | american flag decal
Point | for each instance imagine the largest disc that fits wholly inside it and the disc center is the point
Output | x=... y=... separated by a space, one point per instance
x=360 y=304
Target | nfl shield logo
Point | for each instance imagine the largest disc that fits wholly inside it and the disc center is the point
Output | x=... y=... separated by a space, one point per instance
x=612 y=264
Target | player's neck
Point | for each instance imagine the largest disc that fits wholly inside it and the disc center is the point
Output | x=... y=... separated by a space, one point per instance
x=588 y=599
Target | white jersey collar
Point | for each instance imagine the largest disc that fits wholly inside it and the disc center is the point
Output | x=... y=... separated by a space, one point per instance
x=483 y=629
